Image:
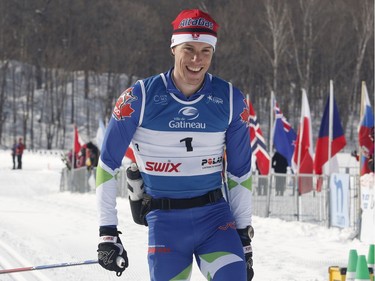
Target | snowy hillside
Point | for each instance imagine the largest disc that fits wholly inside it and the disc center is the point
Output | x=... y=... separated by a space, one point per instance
x=40 y=225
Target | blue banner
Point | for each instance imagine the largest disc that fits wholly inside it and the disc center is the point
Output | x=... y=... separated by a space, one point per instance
x=339 y=200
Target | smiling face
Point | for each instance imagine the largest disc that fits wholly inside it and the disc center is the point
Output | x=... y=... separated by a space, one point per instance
x=192 y=60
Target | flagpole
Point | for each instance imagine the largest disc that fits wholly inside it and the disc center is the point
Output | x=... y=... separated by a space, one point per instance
x=330 y=126
x=300 y=134
x=272 y=125
x=330 y=130
x=272 y=130
x=299 y=203
x=361 y=113
x=73 y=157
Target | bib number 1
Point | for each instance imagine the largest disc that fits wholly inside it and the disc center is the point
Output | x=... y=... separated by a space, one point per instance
x=188 y=142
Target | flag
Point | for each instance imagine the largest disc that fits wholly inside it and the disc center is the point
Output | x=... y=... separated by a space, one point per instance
x=76 y=148
x=100 y=134
x=77 y=143
x=302 y=156
x=331 y=139
x=331 y=136
x=284 y=136
x=258 y=145
x=364 y=131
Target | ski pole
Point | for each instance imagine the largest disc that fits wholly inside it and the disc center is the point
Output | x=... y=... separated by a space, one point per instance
x=47 y=266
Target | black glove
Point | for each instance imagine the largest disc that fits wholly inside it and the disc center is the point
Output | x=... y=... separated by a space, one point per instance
x=111 y=254
x=246 y=234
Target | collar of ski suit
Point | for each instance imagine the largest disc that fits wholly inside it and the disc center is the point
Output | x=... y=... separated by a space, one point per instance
x=206 y=89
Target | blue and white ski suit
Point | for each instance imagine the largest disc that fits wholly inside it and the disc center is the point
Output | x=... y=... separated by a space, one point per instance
x=179 y=145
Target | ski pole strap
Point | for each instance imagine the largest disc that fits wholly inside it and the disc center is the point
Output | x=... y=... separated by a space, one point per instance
x=168 y=204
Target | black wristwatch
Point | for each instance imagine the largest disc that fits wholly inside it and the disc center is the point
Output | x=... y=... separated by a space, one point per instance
x=250 y=231
x=246 y=233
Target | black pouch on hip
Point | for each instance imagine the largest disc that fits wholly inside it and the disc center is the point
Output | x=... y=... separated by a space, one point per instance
x=145 y=208
x=136 y=209
x=136 y=193
x=140 y=209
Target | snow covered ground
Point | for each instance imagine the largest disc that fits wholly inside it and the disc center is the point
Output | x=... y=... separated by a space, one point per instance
x=40 y=225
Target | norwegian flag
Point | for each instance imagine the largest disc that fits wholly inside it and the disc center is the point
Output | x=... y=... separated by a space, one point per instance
x=284 y=135
x=258 y=144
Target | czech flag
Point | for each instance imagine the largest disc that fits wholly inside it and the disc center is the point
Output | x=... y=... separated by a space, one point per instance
x=331 y=136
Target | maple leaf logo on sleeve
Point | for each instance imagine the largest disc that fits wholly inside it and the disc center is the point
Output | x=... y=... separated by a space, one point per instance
x=123 y=107
x=245 y=115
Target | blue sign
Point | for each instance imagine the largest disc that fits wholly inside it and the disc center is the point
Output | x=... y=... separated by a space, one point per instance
x=339 y=200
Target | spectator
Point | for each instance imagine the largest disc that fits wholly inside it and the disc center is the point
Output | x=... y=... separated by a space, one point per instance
x=368 y=153
x=14 y=153
x=92 y=155
x=354 y=153
x=371 y=151
x=81 y=157
x=19 y=152
x=280 y=165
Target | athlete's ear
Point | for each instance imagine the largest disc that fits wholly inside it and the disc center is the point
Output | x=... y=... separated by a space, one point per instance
x=172 y=52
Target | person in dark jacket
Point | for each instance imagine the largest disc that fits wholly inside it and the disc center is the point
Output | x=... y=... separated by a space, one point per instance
x=279 y=164
x=14 y=153
x=19 y=152
x=92 y=155
x=370 y=163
